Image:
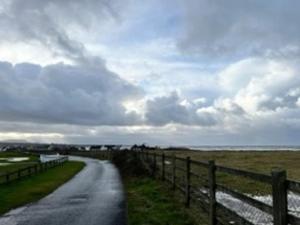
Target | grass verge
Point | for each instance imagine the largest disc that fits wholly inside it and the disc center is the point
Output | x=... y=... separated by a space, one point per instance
x=33 y=188
x=151 y=203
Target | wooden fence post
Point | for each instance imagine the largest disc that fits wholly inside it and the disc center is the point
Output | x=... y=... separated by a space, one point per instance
x=143 y=155
x=163 y=166
x=173 y=172
x=279 y=192
x=188 y=182
x=212 y=192
x=154 y=164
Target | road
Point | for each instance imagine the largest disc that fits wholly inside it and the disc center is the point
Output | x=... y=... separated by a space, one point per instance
x=94 y=196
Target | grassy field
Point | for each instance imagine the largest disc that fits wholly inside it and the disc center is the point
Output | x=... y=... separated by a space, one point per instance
x=33 y=159
x=152 y=203
x=255 y=161
x=262 y=162
x=37 y=186
x=10 y=154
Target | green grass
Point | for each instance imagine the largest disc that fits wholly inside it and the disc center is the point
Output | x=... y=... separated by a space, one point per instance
x=37 y=186
x=8 y=154
x=151 y=203
x=13 y=166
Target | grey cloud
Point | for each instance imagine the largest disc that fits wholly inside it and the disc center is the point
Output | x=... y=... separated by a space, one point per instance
x=279 y=102
x=52 y=23
x=167 y=109
x=163 y=110
x=286 y=98
x=65 y=94
x=241 y=28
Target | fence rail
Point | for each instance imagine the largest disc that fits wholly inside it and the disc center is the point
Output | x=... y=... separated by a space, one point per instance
x=200 y=182
x=30 y=170
x=177 y=171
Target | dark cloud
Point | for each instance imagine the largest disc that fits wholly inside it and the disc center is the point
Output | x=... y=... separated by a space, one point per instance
x=241 y=28
x=168 y=109
x=53 y=23
x=64 y=94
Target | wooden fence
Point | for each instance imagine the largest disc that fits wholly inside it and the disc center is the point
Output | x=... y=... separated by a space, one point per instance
x=201 y=183
x=31 y=170
x=182 y=174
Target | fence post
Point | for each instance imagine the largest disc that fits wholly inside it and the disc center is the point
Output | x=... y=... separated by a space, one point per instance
x=188 y=182
x=154 y=164
x=212 y=192
x=35 y=168
x=163 y=166
x=173 y=171
x=143 y=155
x=279 y=192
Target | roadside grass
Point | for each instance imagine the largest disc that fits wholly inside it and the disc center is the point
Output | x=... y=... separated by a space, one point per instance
x=150 y=202
x=33 y=188
x=255 y=161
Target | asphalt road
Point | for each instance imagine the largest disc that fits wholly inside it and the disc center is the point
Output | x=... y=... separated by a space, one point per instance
x=93 y=196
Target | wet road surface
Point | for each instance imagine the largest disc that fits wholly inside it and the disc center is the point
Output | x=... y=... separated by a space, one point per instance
x=93 y=196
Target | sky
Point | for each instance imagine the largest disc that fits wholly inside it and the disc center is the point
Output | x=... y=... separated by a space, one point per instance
x=171 y=72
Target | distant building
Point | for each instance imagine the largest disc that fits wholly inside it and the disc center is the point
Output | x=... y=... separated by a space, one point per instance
x=95 y=147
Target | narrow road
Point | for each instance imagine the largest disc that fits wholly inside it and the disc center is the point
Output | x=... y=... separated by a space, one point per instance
x=94 y=196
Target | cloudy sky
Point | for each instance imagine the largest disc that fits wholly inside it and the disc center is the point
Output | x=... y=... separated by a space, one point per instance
x=180 y=72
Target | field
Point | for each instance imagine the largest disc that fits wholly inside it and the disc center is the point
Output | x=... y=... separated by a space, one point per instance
x=255 y=161
x=12 y=166
x=33 y=188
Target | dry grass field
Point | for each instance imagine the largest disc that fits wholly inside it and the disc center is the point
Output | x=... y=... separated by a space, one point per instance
x=255 y=161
